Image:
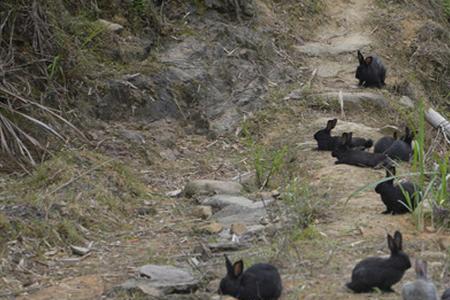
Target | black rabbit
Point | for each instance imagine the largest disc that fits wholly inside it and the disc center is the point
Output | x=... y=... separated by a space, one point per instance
x=384 y=143
x=327 y=142
x=393 y=195
x=259 y=282
x=401 y=149
x=346 y=155
x=371 y=71
x=378 y=272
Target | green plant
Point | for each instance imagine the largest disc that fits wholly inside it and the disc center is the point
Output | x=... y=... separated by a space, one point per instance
x=266 y=162
x=303 y=206
x=446 y=4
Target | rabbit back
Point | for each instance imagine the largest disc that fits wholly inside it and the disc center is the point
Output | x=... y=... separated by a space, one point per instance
x=399 y=150
x=374 y=272
x=383 y=144
x=260 y=281
x=361 y=143
x=361 y=158
x=419 y=290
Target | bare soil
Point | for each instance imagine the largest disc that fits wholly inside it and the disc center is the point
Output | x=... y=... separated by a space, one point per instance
x=315 y=267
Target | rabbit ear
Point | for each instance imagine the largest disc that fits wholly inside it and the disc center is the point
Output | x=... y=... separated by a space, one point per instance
x=349 y=137
x=229 y=266
x=360 y=58
x=391 y=244
x=331 y=124
x=390 y=170
x=398 y=240
x=334 y=122
x=421 y=268
x=238 y=267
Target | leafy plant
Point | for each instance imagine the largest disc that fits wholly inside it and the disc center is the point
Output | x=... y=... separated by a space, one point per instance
x=266 y=162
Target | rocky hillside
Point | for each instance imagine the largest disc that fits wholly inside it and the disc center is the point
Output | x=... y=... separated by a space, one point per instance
x=148 y=138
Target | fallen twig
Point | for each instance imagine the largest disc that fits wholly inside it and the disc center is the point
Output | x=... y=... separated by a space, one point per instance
x=79 y=176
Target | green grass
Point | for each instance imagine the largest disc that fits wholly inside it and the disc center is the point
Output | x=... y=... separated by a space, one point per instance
x=446 y=4
x=75 y=188
x=303 y=204
x=267 y=162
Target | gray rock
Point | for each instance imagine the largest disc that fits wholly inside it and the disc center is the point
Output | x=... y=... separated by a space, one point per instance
x=221 y=201
x=294 y=95
x=239 y=214
x=227 y=246
x=205 y=187
x=79 y=250
x=389 y=130
x=133 y=136
x=354 y=100
x=124 y=101
x=358 y=129
x=335 y=46
x=157 y=280
x=406 y=101
x=110 y=26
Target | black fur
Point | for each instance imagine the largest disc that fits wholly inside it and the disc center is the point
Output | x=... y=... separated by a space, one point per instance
x=371 y=71
x=392 y=194
x=382 y=273
x=327 y=142
x=401 y=149
x=384 y=143
x=346 y=155
x=259 y=282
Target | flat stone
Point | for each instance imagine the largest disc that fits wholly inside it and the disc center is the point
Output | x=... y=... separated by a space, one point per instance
x=329 y=69
x=168 y=154
x=206 y=187
x=221 y=297
x=354 y=100
x=227 y=246
x=389 y=130
x=294 y=95
x=212 y=228
x=78 y=288
x=110 y=26
x=157 y=280
x=221 y=201
x=203 y=212
x=238 y=228
x=133 y=136
x=407 y=102
x=240 y=214
x=79 y=250
x=338 y=45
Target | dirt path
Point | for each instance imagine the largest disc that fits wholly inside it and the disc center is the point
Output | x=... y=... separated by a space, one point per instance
x=354 y=229
x=333 y=51
x=314 y=267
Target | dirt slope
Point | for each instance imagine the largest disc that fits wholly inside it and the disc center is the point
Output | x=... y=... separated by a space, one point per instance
x=314 y=266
